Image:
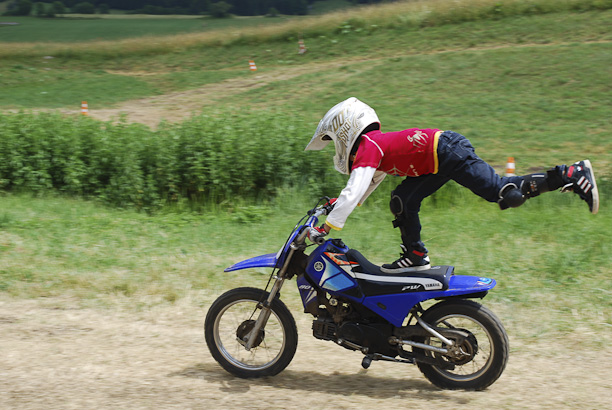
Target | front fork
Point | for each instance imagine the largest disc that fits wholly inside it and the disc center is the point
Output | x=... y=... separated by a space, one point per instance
x=279 y=280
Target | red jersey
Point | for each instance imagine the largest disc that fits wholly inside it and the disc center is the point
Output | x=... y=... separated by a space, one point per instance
x=411 y=152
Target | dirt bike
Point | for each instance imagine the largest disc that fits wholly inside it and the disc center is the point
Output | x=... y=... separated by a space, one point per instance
x=456 y=343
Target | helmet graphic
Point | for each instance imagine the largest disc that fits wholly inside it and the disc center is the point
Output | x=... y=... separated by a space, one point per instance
x=343 y=124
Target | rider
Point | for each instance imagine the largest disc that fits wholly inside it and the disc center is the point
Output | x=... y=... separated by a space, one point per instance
x=428 y=158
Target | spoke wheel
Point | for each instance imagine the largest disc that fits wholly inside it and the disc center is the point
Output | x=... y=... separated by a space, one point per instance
x=479 y=360
x=229 y=324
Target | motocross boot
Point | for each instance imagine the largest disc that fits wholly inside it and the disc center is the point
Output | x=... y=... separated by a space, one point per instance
x=580 y=179
x=413 y=258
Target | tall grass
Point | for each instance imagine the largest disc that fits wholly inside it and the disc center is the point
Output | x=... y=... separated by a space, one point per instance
x=206 y=159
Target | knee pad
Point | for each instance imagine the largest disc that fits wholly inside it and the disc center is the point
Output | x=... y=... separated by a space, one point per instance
x=397 y=208
x=510 y=197
x=396 y=205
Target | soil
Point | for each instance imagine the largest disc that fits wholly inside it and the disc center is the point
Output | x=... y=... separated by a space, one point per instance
x=56 y=354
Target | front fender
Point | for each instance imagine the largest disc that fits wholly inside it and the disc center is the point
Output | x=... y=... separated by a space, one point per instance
x=263 y=261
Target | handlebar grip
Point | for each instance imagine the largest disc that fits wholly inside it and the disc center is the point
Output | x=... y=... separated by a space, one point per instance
x=320 y=240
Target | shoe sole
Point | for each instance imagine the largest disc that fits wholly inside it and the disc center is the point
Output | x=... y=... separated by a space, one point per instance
x=406 y=270
x=594 y=191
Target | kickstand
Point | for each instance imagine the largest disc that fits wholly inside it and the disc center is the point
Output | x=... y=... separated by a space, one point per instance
x=369 y=358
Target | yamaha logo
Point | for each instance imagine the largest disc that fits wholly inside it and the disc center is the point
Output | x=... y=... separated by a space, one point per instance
x=319 y=266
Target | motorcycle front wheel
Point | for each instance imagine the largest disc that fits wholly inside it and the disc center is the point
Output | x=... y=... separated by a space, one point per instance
x=229 y=322
x=484 y=352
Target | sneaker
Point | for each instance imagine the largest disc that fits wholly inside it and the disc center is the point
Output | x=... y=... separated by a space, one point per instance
x=409 y=261
x=581 y=179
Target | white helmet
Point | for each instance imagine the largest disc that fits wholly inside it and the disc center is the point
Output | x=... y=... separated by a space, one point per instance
x=343 y=124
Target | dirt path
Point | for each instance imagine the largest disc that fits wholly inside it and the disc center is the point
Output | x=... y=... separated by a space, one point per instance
x=55 y=355
x=174 y=107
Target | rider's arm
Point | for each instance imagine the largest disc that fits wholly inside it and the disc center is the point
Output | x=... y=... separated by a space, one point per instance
x=376 y=180
x=360 y=180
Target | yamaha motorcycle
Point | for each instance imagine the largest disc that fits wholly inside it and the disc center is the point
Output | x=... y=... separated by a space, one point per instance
x=456 y=343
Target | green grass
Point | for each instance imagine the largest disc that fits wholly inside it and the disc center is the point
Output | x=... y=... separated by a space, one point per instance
x=549 y=256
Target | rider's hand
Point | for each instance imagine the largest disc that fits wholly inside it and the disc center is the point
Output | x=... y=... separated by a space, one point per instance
x=316 y=234
x=329 y=206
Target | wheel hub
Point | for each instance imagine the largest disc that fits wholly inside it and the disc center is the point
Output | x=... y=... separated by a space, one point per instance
x=466 y=351
x=243 y=331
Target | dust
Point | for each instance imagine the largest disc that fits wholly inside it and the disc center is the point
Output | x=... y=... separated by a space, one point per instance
x=56 y=354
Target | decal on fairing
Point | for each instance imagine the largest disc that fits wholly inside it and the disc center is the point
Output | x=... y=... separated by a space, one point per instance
x=332 y=277
x=484 y=281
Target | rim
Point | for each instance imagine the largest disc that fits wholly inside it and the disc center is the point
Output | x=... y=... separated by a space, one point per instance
x=261 y=357
x=479 y=363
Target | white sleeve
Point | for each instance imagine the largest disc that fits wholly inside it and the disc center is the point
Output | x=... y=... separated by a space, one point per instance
x=376 y=180
x=356 y=187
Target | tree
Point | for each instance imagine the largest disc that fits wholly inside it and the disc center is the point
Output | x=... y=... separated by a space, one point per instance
x=199 y=6
x=39 y=9
x=24 y=8
x=220 y=9
x=103 y=8
x=58 y=8
x=84 y=8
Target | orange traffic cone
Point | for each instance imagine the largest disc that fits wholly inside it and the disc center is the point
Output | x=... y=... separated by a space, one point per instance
x=252 y=65
x=84 y=108
x=510 y=167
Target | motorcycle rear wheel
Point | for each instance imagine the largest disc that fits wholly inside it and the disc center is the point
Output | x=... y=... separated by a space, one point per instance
x=232 y=316
x=486 y=347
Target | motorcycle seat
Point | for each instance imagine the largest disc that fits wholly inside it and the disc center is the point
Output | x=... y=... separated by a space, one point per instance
x=435 y=278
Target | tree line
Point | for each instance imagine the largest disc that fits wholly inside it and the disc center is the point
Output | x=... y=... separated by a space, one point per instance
x=217 y=8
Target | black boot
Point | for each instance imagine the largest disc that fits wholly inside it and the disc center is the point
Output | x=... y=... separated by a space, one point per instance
x=511 y=196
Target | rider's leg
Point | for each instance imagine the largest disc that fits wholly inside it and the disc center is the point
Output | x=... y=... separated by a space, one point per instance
x=405 y=205
x=459 y=161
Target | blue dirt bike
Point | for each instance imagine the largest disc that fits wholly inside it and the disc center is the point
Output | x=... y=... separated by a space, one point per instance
x=456 y=343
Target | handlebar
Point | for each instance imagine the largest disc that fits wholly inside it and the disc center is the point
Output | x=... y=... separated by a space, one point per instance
x=319 y=240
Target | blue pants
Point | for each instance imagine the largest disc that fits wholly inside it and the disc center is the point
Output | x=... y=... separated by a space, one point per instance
x=457 y=161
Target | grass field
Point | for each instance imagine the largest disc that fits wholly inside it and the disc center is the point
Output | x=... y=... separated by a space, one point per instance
x=116 y=27
x=526 y=86
x=54 y=246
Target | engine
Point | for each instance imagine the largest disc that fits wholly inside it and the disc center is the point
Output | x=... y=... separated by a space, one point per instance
x=373 y=337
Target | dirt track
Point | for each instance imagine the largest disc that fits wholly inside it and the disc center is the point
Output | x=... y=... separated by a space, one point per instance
x=55 y=355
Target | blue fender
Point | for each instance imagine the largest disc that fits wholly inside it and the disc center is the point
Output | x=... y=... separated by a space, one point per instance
x=263 y=261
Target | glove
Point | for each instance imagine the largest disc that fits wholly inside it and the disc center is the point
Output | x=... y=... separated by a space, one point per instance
x=329 y=206
x=316 y=234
